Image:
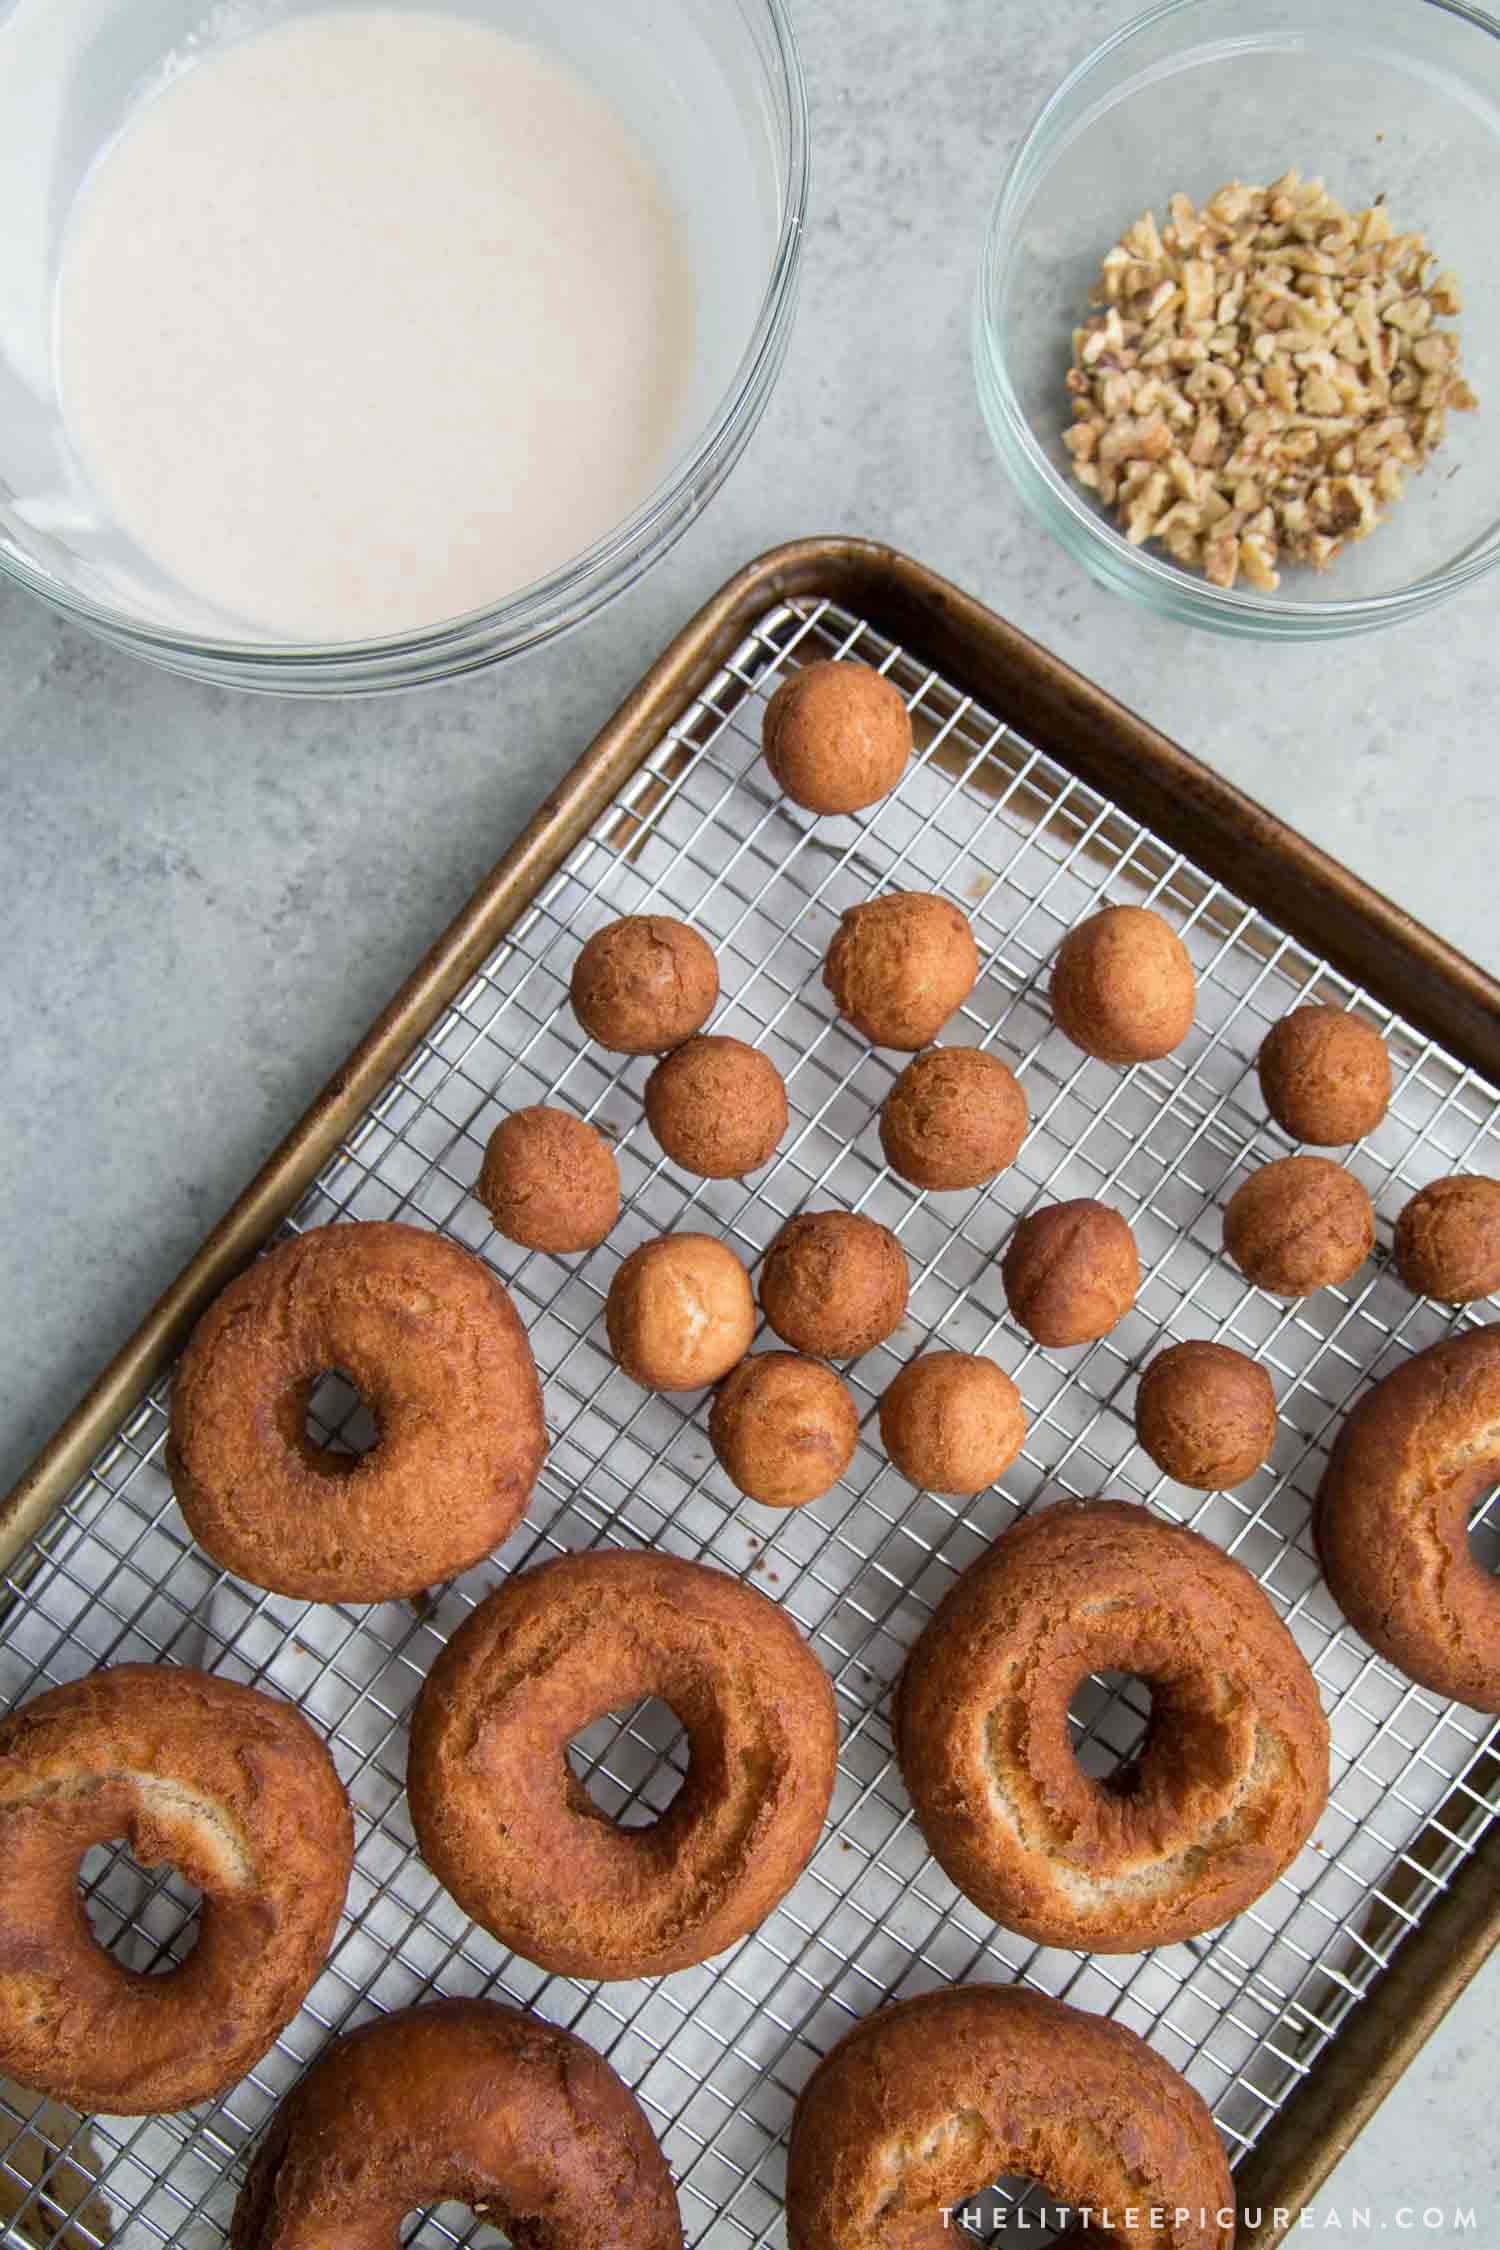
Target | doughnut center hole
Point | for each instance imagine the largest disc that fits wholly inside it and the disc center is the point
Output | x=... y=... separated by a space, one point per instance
x=146 y=1918
x=632 y=1762
x=337 y=1424
x=1484 y=1533
x=1109 y=1718
x=1012 y=2210
x=453 y=2223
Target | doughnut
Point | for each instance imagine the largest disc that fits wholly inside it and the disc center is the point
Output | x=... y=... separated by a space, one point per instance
x=679 y=1313
x=834 y=1283
x=517 y=1840
x=1206 y=1414
x=432 y=1343
x=1123 y=986
x=1325 y=1075
x=644 y=984
x=550 y=1181
x=233 y=1789
x=1391 y=1518
x=899 y=966
x=1225 y=1792
x=784 y=1428
x=1448 y=1239
x=458 y=2101
x=1299 y=1224
x=925 y=2103
x=954 y=1118
x=836 y=737
x=717 y=1107
x=1071 y=1272
x=952 y=1421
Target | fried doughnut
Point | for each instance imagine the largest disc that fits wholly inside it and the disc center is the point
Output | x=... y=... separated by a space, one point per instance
x=899 y=966
x=679 y=1313
x=834 y=1283
x=1298 y=1224
x=1325 y=1075
x=1226 y=1790
x=1448 y=1239
x=233 y=1789
x=952 y=1421
x=644 y=984
x=550 y=1181
x=921 y=2106
x=784 y=1428
x=503 y=1823
x=717 y=1107
x=1392 y=1513
x=954 y=1118
x=433 y=1345
x=461 y=2101
x=837 y=736
x=1206 y=1414
x=1123 y=986
x=1071 y=1272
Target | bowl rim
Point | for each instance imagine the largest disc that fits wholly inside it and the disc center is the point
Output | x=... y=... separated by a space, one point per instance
x=1103 y=549
x=577 y=587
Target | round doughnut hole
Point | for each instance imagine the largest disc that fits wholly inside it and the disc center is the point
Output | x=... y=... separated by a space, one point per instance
x=147 y=1918
x=338 y=1426
x=1015 y=2205
x=1484 y=1532
x=632 y=1762
x=1109 y=1718
x=453 y=2222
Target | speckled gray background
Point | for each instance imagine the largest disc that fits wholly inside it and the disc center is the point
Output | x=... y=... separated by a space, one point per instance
x=204 y=900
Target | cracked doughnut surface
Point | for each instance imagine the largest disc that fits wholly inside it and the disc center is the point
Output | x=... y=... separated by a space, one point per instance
x=503 y=1822
x=233 y=1789
x=1392 y=1513
x=1226 y=1789
x=464 y=2101
x=435 y=1348
x=643 y=984
x=926 y=2103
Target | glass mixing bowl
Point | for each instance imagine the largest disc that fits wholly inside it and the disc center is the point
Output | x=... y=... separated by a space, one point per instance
x=1399 y=96
x=713 y=87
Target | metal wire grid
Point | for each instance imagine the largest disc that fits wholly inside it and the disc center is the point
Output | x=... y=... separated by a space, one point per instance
x=718 y=2053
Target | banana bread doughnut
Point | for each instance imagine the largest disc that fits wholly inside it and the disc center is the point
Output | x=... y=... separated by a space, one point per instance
x=954 y=1118
x=503 y=1823
x=837 y=736
x=834 y=1283
x=462 y=2101
x=1448 y=1239
x=1206 y=1414
x=925 y=2103
x=717 y=1107
x=1325 y=1075
x=433 y=1345
x=644 y=984
x=1071 y=1272
x=899 y=965
x=550 y=1181
x=679 y=1313
x=1391 y=1518
x=1298 y=1224
x=233 y=1789
x=784 y=1428
x=1123 y=986
x=1222 y=1797
x=952 y=1421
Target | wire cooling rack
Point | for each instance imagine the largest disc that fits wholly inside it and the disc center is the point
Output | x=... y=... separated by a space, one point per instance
x=717 y=2054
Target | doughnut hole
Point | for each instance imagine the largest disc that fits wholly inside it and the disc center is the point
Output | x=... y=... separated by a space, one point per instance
x=1109 y=1720
x=330 y=1423
x=146 y=1918
x=1484 y=1526
x=1018 y=2204
x=631 y=1762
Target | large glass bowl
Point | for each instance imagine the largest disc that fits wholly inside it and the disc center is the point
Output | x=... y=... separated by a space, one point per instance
x=1399 y=96
x=715 y=89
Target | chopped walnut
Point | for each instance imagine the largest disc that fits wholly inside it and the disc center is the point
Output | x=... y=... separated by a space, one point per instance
x=1254 y=380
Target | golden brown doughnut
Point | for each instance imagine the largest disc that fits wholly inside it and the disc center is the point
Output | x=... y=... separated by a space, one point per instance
x=837 y=736
x=519 y=1842
x=1226 y=1791
x=679 y=1313
x=1325 y=1075
x=952 y=1421
x=954 y=1118
x=1448 y=1239
x=920 y=2107
x=834 y=1283
x=233 y=1789
x=1391 y=1520
x=899 y=966
x=784 y=1428
x=432 y=1343
x=644 y=984
x=550 y=1181
x=1071 y=1272
x=1206 y=1414
x=1123 y=986
x=1299 y=1224
x=462 y=2101
x=717 y=1107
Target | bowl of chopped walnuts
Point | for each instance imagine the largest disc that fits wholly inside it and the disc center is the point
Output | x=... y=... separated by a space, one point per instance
x=1237 y=329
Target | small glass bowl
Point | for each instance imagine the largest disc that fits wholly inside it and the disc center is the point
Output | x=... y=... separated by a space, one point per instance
x=1372 y=96
x=733 y=143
